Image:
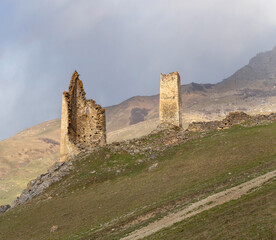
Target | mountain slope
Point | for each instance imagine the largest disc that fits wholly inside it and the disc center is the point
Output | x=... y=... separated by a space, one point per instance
x=25 y=156
x=233 y=220
x=112 y=192
x=261 y=69
x=252 y=88
x=198 y=207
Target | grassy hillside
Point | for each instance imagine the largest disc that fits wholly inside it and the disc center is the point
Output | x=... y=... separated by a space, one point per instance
x=135 y=131
x=251 y=217
x=31 y=152
x=108 y=194
x=25 y=156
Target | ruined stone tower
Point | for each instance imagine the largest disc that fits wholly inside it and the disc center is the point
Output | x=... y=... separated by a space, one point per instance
x=170 y=109
x=82 y=121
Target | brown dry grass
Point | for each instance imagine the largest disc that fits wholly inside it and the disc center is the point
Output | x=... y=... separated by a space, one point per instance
x=25 y=156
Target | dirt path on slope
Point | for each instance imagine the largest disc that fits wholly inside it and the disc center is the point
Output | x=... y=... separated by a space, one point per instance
x=200 y=206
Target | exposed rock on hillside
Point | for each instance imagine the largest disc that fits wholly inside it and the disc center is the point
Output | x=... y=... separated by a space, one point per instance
x=233 y=118
x=4 y=208
x=260 y=67
x=38 y=185
x=193 y=88
x=138 y=115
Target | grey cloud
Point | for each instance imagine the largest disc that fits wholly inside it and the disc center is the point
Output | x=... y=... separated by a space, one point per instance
x=119 y=48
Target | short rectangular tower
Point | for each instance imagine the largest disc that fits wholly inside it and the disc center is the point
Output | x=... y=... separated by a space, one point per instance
x=170 y=107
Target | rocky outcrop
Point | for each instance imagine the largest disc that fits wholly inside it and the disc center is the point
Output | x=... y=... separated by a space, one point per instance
x=4 y=208
x=138 y=115
x=40 y=184
x=205 y=126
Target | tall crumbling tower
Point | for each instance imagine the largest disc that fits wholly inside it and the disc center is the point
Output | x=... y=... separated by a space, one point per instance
x=82 y=121
x=170 y=109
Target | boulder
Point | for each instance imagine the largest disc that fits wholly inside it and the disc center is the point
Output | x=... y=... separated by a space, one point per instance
x=4 y=208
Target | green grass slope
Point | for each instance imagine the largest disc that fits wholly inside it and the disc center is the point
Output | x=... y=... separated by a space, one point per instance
x=251 y=217
x=110 y=194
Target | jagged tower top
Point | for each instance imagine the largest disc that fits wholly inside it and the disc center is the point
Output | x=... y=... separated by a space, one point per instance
x=74 y=79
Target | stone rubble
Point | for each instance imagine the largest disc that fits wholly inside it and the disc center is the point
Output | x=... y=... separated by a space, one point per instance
x=53 y=229
x=233 y=118
x=164 y=136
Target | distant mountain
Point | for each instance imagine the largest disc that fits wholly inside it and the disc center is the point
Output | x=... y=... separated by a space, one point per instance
x=261 y=69
x=252 y=89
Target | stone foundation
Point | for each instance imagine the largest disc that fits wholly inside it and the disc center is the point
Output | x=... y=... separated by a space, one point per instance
x=233 y=118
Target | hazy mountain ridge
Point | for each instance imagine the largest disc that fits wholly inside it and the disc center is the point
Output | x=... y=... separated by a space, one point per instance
x=252 y=88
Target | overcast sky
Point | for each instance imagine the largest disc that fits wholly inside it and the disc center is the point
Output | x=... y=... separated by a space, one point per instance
x=119 y=47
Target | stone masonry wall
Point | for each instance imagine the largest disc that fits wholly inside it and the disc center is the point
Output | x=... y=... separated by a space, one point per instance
x=233 y=118
x=82 y=122
x=170 y=110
